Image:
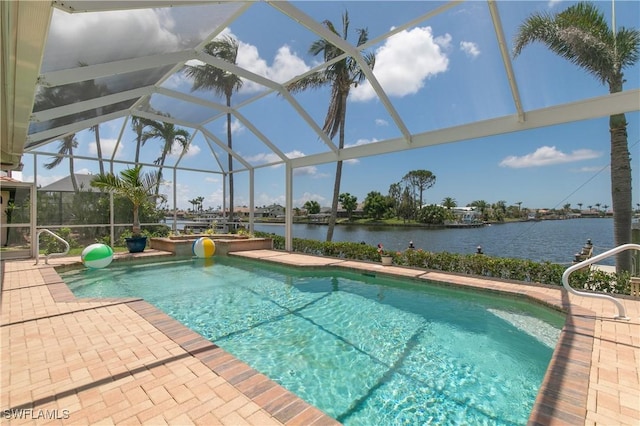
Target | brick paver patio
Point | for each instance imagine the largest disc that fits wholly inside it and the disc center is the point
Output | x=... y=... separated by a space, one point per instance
x=121 y=361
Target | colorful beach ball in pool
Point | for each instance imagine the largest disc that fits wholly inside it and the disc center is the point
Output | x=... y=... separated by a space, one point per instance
x=203 y=247
x=97 y=256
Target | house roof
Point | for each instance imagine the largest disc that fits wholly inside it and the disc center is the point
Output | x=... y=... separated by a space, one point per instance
x=65 y=184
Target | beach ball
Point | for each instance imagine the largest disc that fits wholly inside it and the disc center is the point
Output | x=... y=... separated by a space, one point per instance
x=203 y=247
x=97 y=256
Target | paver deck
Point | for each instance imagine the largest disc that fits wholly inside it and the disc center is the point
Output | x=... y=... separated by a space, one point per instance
x=121 y=361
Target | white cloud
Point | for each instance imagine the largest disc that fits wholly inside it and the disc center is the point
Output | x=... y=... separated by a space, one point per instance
x=236 y=127
x=99 y=37
x=594 y=169
x=192 y=150
x=286 y=65
x=308 y=196
x=107 y=146
x=361 y=141
x=548 y=156
x=263 y=158
x=470 y=48
x=405 y=62
x=381 y=122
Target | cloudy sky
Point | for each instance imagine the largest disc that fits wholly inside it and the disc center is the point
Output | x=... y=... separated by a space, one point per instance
x=442 y=72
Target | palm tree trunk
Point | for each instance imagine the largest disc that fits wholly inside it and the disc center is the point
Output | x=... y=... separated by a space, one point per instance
x=334 y=202
x=336 y=185
x=99 y=147
x=139 y=128
x=72 y=172
x=230 y=145
x=621 y=189
x=162 y=160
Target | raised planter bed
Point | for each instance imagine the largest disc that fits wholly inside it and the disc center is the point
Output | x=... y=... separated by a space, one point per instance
x=180 y=245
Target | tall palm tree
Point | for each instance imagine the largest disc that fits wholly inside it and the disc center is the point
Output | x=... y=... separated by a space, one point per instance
x=89 y=89
x=65 y=148
x=168 y=134
x=341 y=76
x=581 y=35
x=222 y=83
x=138 y=125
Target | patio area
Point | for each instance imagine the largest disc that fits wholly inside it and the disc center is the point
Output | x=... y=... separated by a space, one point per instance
x=121 y=361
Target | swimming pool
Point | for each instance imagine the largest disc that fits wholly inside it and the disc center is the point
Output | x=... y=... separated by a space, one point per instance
x=366 y=350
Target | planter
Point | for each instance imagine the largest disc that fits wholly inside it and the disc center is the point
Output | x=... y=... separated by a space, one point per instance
x=386 y=260
x=136 y=244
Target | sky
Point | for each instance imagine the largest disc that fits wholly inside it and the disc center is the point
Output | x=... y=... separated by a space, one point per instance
x=442 y=72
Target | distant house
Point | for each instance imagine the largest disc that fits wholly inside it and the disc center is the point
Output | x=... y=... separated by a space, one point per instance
x=65 y=184
x=272 y=211
x=466 y=214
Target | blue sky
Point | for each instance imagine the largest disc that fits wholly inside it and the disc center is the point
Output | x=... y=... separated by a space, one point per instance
x=442 y=72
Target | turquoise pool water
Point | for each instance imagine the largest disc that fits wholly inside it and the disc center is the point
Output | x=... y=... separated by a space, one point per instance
x=366 y=350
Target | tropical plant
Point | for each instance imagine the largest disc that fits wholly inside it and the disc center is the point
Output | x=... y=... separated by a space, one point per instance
x=65 y=149
x=169 y=134
x=375 y=205
x=89 y=89
x=132 y=184
x=433 y=215
x=138 y=125
x=341 y=75
x=581 y=35
x=349 y=203
x=449 y=203
x=312 y=207
x=223 y=83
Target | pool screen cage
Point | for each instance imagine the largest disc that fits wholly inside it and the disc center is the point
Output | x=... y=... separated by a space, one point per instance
x=82 y=77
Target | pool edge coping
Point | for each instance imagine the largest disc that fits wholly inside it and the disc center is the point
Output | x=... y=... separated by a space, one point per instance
x=285 y=407
x=555 y=401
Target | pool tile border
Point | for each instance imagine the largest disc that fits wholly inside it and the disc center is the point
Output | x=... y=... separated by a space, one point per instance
x=287 y=408
x=569 y=393
x=563 y=394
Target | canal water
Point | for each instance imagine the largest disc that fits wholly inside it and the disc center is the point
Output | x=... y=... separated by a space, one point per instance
x=555 y=241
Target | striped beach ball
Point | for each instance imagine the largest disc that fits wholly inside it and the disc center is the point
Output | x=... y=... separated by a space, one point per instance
x=97 y=256
x=203 y=247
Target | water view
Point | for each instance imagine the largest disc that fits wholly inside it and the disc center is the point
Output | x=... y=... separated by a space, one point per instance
x=551 y=240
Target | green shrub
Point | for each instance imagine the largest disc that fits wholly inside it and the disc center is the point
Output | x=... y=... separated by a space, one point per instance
x=470 y=264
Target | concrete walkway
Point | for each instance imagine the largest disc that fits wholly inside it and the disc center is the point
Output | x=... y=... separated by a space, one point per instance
x=121 y=361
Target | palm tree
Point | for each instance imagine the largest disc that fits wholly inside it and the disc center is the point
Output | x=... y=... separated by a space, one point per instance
x=168 y=134
x=89 y=89
x=138 y=125
x=222 y=83
x=581 y=35
x=66 y=149
x=340 y=75
x=131 y=184
x=449 y=203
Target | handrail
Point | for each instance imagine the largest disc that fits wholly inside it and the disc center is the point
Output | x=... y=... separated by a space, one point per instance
x=565 y=277
x=53 y=234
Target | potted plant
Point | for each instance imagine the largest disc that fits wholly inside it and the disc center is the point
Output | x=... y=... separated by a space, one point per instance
x=137 y=188
x=385 y=257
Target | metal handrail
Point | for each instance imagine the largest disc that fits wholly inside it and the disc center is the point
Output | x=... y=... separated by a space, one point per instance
x=53 y=234
x=565 y=277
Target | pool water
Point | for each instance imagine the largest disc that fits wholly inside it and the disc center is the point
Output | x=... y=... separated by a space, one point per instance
x=364 y=349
